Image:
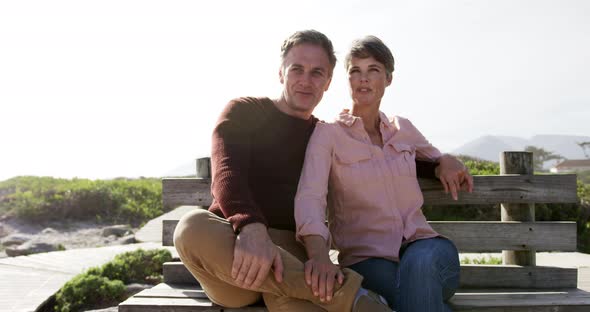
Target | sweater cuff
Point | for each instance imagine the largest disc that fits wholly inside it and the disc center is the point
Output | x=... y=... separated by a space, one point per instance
x=426 y=169
x=239 y=220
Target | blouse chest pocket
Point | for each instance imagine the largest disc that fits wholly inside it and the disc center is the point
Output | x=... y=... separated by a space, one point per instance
x=402 y=159
x=351 y=165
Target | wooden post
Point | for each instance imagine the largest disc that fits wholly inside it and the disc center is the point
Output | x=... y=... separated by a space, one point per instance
x=517 y=163
x=204 y=168
x=204 y=171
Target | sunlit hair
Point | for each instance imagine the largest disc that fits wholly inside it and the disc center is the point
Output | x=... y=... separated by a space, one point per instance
x=311 y=37
x=371 y=46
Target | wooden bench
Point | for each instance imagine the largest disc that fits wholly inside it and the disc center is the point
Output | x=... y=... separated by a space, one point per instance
x=516 y=285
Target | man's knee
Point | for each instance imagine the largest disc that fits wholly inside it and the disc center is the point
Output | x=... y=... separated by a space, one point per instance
x=191 y=228
x=236 y=301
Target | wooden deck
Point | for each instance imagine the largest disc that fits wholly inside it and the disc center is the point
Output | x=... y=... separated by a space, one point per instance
x=187 y=297
x=152 y=231
x=181 y=293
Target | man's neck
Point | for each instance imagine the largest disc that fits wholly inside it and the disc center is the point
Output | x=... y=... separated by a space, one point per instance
x=281 y=105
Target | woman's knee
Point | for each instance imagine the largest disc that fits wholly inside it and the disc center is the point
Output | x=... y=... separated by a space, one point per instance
x=436 y=257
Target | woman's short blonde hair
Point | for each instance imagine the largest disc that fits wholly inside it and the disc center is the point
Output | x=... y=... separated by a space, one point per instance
x=371 y=46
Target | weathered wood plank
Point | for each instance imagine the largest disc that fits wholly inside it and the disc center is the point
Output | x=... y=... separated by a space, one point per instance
x=180 y=298
x=512 y=276
x=177 y=273
x=472 y=276
x=168 y=227
x=485 y=236
x=176 y=298
x=185 y=191
x=572 y=300
x=490 y=236
x=195 y=293
x=506 y=189
x=488 y=190
x=159 y=304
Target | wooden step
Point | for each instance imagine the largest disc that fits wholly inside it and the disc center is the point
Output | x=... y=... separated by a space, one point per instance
x=177 y=273
x=472 y=276
x=177 y=298
x=181 y=298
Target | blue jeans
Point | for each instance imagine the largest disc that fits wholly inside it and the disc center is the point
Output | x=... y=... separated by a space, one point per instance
x=426 y=276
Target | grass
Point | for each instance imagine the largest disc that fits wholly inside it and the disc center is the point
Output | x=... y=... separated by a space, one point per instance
x=486 y=259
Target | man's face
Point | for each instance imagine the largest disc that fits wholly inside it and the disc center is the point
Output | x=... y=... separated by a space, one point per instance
x=305 y=74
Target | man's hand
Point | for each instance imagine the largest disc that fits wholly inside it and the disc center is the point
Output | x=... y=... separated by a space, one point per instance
x=453 y=175
x=254 y=255
x=320 y=271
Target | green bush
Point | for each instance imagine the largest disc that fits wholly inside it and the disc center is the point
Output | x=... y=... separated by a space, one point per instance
x=584 y=176
x=479 y=166
x=138 y=266
x=482 y=260
x=44 y=198
x=86 y=290
x=105 y=286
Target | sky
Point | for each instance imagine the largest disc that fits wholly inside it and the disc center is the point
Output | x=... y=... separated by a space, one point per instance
x=122 y=88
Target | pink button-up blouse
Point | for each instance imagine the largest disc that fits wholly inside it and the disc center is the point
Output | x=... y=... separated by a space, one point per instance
x=372 y=195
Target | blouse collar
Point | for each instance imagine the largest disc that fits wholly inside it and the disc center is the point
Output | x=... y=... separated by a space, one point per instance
x=346 y=118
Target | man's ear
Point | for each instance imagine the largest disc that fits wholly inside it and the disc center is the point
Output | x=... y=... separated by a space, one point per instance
x=328 y=84
x=281 y=75
x=389 y=79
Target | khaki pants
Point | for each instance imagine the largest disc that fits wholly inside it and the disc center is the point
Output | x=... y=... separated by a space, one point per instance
x=205 y=243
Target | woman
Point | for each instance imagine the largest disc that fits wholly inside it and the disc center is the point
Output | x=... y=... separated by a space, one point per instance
x=361 y=168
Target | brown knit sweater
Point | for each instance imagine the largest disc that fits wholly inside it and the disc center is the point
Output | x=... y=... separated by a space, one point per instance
x=256 y=160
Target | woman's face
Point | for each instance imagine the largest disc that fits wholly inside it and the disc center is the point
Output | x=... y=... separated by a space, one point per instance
x=367 y=79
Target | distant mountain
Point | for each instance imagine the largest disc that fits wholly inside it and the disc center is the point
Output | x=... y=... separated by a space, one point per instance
x=187 y=169
x=489 y=147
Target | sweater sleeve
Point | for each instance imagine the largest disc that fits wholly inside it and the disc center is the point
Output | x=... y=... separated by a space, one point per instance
x=230 y=160
x=426 y=168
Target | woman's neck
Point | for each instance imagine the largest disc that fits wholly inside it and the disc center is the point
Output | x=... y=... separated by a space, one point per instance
x=370 y=117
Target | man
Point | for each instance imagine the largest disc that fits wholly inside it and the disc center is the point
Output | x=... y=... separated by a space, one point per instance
x=257 y=155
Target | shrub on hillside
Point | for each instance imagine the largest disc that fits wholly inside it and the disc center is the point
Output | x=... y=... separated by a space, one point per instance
x=478 y=166
x=140 y=266
x=45 y=198
x=87 y=290
x=584 y=176
x=105 y=286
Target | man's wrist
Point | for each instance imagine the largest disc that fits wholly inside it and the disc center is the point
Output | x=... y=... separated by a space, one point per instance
x=252 y=228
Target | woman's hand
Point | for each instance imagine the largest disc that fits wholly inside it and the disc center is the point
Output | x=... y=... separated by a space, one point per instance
x=453 y=175
x=321 y=274
x=320 y=271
